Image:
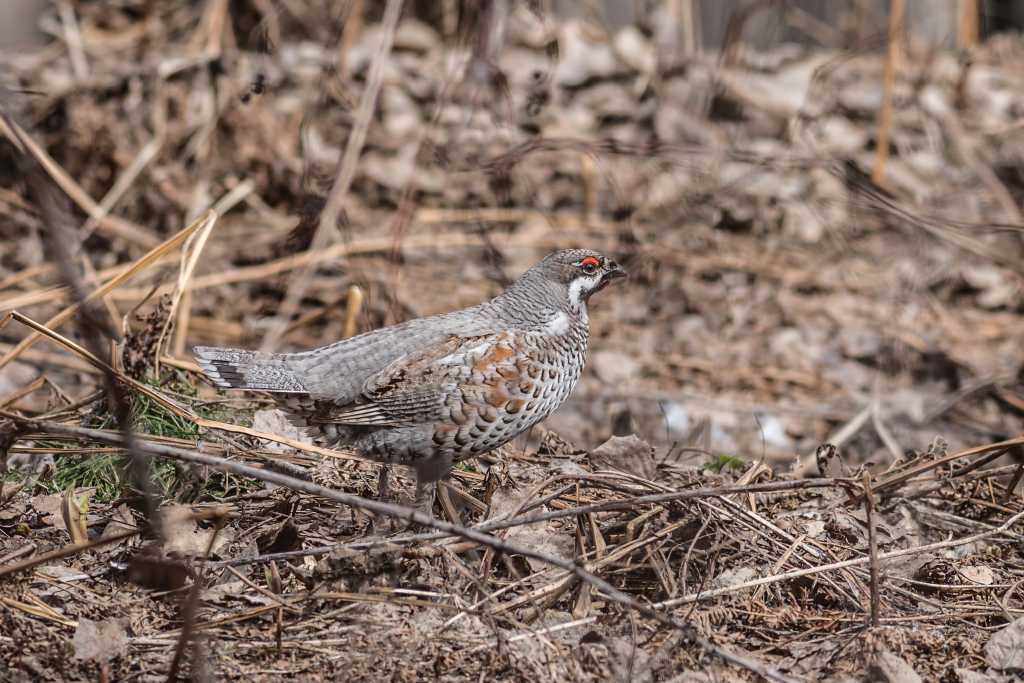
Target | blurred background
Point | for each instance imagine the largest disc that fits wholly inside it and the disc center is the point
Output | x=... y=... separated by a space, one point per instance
x=819 y=202
x=708 y=19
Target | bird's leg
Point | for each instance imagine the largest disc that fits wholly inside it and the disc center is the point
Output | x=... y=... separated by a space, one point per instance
x=388 y=525
x=425 y=492
x=428 y=473
x=384 y=483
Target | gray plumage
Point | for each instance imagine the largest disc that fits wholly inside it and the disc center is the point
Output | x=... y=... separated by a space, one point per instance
x=435 y=390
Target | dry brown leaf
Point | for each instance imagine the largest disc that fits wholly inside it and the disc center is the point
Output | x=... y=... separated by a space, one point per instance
x=1005 y=649
x=73 y=510
x=626 y=454
x=887 y=667
x=100 y=640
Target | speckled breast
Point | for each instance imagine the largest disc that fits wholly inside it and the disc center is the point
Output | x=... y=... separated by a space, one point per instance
x=512 y=385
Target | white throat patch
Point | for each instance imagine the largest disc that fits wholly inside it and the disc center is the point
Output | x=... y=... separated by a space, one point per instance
x=558 y=325
x=576 y=300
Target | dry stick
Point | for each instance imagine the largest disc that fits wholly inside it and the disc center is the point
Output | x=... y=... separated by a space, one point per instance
x=505 y=523
x=353 y=306
x=883 y=431
x=66 y=551
x=869 y=509
x=1016 y=479
x=39 y=609
x=410 y=515
x=285 y=604
x=58 y=236
x=188 y=616
x=346 y=173
x=888 y=83
x=896 y=479
x=26 y=549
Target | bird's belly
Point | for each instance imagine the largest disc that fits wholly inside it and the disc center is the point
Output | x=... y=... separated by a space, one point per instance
x=486 y=405
x=482 y=417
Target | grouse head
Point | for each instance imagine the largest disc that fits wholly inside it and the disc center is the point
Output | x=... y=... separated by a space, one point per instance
x=582 y=272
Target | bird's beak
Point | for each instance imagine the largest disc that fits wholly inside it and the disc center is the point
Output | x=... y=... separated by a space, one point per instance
x=614 y=273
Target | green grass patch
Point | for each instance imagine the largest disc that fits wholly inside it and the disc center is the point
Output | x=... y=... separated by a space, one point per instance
x=108 y=472
x=722 y=463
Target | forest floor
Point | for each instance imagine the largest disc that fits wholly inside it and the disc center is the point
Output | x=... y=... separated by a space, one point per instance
x=694 y=525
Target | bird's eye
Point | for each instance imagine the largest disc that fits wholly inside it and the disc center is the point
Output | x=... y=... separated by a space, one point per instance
x=589 y=265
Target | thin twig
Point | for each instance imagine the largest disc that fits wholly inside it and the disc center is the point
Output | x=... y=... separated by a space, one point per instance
x=346 y=173
x=869 y=509
x=888 y=85
x=66 y=551
x=188 y=612
x=630 y=503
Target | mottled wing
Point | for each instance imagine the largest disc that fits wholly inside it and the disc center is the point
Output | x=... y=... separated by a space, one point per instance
x=339 y=372
x=410 y=390
x=448 y=381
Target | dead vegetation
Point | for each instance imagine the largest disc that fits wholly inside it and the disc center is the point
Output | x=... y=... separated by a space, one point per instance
x=825 y=247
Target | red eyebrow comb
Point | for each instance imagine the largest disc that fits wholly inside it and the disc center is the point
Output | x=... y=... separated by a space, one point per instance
x=590 y=261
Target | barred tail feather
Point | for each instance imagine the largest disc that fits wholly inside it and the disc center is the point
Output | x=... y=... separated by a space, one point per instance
x=238 y=369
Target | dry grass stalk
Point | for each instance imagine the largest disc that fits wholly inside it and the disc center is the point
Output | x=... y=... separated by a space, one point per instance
x=346 y=173
x=353 y=306
x=191 y=251
x=869 y=508
x=141 y=264
x=66 y=551
x=967 y=24
x=888 y=85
